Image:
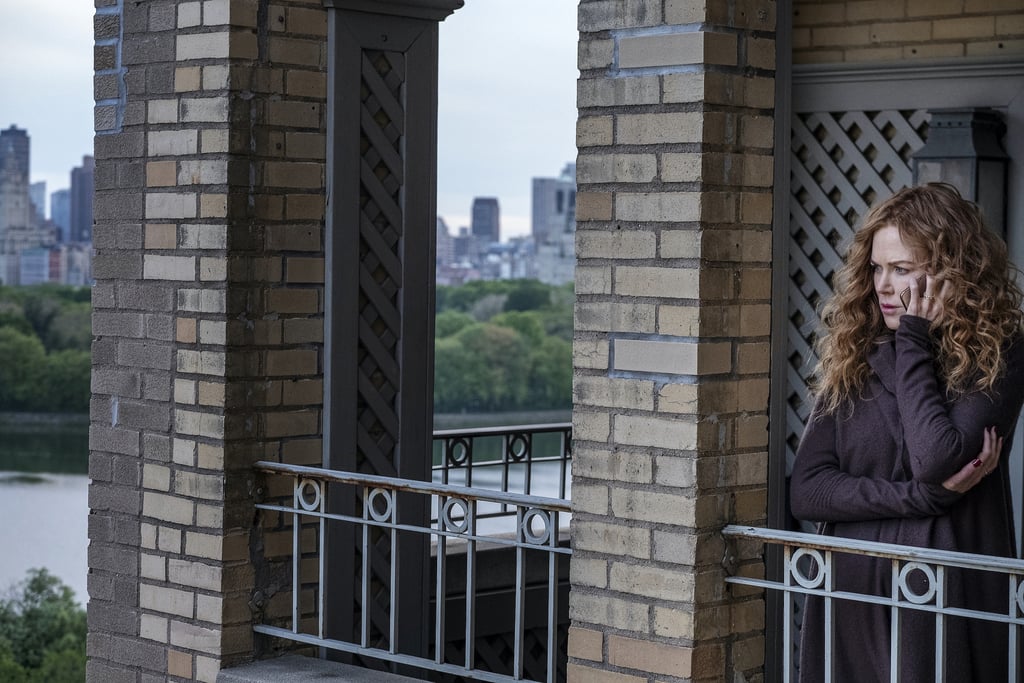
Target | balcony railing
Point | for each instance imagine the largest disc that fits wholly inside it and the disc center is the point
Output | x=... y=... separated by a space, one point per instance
x=498 y=513
x=809 y=569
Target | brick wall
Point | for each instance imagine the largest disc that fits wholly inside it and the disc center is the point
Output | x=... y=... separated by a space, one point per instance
x=671 y=350
x=891 y=30
x=207 y=318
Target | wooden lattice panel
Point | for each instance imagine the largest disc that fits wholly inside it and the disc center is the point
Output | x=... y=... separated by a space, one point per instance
x=842 y=164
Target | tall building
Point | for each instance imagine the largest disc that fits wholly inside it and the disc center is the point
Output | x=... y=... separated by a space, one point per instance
x=37 y=195
x=82 y=185
x=554 y=206
x=485 y=222
x=60 y=213
x=14 y=145
x=445 y=245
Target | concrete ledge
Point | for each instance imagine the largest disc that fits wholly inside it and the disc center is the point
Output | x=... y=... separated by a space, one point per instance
x=296 y=669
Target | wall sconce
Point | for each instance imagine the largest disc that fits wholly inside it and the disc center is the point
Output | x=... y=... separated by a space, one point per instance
x=964 y=150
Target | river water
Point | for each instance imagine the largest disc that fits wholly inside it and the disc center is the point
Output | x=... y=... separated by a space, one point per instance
x=44 y=491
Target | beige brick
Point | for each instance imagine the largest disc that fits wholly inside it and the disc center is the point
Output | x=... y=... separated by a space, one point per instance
x=294 y=174
x=165 y=600
x=753 y=357
x=615 y=92
x=678 y=398
x=190 y=14
x=207 y=669
x=614 y=465
x=676 y=470
x=213 y=269
x=152 y=627
x=213 y=205
x=593 y=206
x=680 y=321
x=595 y=54
x=964 y=27
x=930 y=51
x=593 y=279
x=166 y=508
x=161 y=236
x=644 y=655
x=757 y=131
x=202 y=172
x=604 y=610
x=588 y=572
x=989 y=48
x=199 y=424
x=201 y=362
x=214 y=141
x=760 y=52
x=304 y=270
x=216 y=77
x=669 y=207
x=294 y=114
x=185 y=330
x=650 y=506
x=1010 y=25
x=591 y=498
x=210 y=608
x=614 y=539
x=204 y=109
x=684 y=167
x=873 y=10
x=577 y=673
x=194 y=485
x=156 y=477
x=901 y=31
x=287 y=50
x=172 y=142
x=194 y=574
x=647 y=281
x=841 y=35
x=684 y=87
x=660 y=50
x=620 y=244
x=202 y=46
x=613 y=393
x=673 y=623
x=662 y=357
x=594 y=131
x=152 y=567
x=812 y=13
x=169 y=267
x=585 y=643
x=615 y=317
x=656 y=432
x=617 y=168
x=590 y=354
x=206 y=546
x=659 y=128
x=187 y=78
x=165 y=205
x=307 y=21
x=193 y=637
x=211 y=457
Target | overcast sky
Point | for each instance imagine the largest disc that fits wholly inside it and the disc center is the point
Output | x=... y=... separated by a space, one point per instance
x=507 y=100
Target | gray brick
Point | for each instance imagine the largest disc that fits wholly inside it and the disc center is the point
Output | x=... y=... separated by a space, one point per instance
x=127 y=471
x=96 y=671
x=162 y=16
x=117 y=205
x=108 y=266
x=100 y=409
x=114 y=499
x=114 y=618
x=145 y=296
x=160 y=327
x=144 y=354
x=127 y=532
x=106 y=26
x=117 y=323
x=99 y=587
x=106 y=86
x=101 y=528
x=120 y=146
x=104 y=178
x=156 y=387
x=115 y=381
x=131 y=174
x=104 y=118
x=136 y=18
x=136 y=653
x=144 y=416
x=102 y=293
x=135 y=82
x=104 y=57
x=148 y=48
x=113 y=440
x=135 y=114
x=101 y=467
x=114 y=558
x=156 y=447
x=160 y=79
x=103 y=352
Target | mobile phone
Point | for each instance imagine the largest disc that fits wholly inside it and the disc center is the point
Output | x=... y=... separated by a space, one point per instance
x=922 y=282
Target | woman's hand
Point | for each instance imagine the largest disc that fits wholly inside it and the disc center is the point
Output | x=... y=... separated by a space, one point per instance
x=928 y=304
x=976 y=470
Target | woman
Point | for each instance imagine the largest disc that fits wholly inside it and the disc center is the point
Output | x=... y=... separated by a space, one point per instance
x=916 y=402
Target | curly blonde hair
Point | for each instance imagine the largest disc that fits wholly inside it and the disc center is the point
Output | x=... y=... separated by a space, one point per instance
x=981 y=311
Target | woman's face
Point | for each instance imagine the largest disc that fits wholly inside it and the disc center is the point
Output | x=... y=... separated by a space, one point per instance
x=893 y=265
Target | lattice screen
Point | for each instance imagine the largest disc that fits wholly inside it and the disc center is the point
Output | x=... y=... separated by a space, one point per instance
x=842 y=164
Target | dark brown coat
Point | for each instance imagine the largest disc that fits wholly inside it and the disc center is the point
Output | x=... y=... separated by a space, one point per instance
x=874 y=473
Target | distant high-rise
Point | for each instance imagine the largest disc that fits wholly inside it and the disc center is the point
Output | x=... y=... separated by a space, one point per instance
x=554 y=206
x=485 y=222
x=60 y=212
x=37 y=195
x=82 y=185
x=14 y=144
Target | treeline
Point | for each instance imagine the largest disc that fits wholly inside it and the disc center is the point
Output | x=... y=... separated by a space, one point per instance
x=42 y=632
x=503 y=345
x=45 y=337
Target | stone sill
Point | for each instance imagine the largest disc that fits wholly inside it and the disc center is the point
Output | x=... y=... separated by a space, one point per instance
x=296 y=669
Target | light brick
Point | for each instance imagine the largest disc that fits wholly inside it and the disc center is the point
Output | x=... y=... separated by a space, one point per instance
x=193 y=637
x=159 y=205
x=642 y=430
x=613 y=465
x=166 y=508
x=659 y=128
x=169 y=267
x=647 y=281
x=620 y=244
x=666 y=50
x=166 y=600
x=202 y=46
x=590 y=354
x=659 y=658
x=603 y=610
x=585 y=643
x=172 y=143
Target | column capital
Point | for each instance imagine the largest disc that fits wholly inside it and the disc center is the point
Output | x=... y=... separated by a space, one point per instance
x=437 y=10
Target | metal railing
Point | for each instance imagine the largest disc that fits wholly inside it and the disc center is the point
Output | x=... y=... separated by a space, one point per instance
x=458 y=509
x=809 y=568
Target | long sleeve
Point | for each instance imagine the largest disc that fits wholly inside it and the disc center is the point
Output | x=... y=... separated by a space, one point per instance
x=942 y=436
x=822 y=492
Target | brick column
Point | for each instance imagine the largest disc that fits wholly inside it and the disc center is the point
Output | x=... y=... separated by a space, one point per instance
x=671 y=351
x=207 y=317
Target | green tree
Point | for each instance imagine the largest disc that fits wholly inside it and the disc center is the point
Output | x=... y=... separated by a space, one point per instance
x=482 y=368
x=23 y=361
x=448 y=323
x=42 y=632
x=528 y=295
x=66 y=382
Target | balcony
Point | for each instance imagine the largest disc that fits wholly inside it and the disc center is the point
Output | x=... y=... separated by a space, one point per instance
x=497 y=540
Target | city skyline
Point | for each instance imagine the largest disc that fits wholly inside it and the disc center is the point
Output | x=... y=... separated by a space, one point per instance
x=494 y=133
